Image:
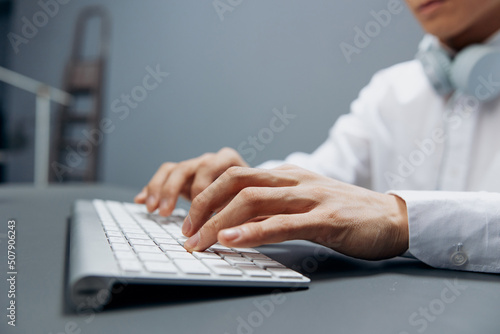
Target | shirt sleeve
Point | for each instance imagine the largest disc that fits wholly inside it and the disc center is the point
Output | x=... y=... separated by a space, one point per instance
x=454 y=230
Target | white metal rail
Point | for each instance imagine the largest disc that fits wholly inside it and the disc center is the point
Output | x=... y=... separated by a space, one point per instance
x=44 y=94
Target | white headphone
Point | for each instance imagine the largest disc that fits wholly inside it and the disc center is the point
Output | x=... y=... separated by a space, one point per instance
x=471 y=72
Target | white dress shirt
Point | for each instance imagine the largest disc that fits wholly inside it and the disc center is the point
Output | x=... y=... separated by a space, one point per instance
x=442 y=156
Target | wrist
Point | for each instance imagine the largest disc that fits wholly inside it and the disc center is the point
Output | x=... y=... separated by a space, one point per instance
x=400 y=221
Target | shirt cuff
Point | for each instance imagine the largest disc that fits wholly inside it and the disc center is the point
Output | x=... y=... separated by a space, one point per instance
x=454 y=230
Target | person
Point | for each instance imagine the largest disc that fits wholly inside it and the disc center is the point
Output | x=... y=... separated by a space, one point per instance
x=411 y=170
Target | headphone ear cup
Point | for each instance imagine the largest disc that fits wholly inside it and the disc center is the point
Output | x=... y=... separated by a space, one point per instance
x=474 y=70
x=437 y=66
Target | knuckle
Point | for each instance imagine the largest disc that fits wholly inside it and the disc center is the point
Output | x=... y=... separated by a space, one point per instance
x=214 y=225
x=197 y=188
x=286 y=167
x=199 y=201
x=251 y=195
x=285 y=227
x=318 y=192
x=167 y=165
x=206 y=160
x=166 y=191
x=227 y=151
x=153 y=187
x=181 y=166
x=204 y=163
x=206 y=157
x=234 y=173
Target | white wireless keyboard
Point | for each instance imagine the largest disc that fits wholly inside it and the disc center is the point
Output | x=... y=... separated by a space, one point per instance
x=114 y=242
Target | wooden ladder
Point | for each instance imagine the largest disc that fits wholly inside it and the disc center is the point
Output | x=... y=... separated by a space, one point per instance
x=75 y=148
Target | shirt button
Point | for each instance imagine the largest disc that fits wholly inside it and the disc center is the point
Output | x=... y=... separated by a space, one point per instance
x=459 y=257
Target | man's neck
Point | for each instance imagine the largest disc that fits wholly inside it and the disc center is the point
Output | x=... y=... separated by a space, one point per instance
x=476 y=34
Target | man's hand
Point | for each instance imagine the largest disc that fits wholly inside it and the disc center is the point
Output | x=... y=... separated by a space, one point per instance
x=187 y=179
x=255 y=206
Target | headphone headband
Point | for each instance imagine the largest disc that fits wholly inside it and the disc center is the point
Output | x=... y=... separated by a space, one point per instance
x=475 y=71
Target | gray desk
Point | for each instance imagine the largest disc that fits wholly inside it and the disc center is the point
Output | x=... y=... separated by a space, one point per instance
x=345 y=296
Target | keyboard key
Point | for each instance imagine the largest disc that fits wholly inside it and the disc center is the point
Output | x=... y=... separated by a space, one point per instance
x=179 y=212
x=164 y=221
x=142 y=217
x=180 y=255
x=161 y=267
x=108 y=228
x=108 y=223
x=194 y=267
x=256 y=256
x=118 y=240
x=114 y=234
x=147 y=249
x=245 y=250
x=234 y=260
x=148 y=223
x=254 y=271
x=125 y=255
x=227 y=253
x=205 y=255
x=268 y=264
x=172 y=228
x=160 y=234
x=144 y=242
x=170 y=247
x=155 y=257
x=130 y=265
x=166 y=241
x=221 y=267
x=284 y=273
x=153 y=231
x=120 y=247
x=125 y=220
x=134 y=208
x=137 y=236
x=127 y=229
x=181 y=239
x=218 y=247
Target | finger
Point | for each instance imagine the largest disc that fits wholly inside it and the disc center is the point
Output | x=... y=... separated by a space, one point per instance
x=155 y=184
x=272 y=230
x=140 y=198
x=173 y=185
x=212 y=167
x=227 y=186
x=203 y=178
x=249 y=204
x=231 y=157
x=286 y=167
x=258 y=219
x=186 y=190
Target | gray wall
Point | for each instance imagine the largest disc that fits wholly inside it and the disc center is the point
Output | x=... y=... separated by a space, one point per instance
x=225 y=76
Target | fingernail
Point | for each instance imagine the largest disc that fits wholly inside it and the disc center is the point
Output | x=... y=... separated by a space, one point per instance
x=151 y=202
x=231 y=234
x=192 y=242
x=163 y=204
x=186 y=227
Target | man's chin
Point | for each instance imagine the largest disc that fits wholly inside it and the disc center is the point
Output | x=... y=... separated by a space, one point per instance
x=441 y=30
